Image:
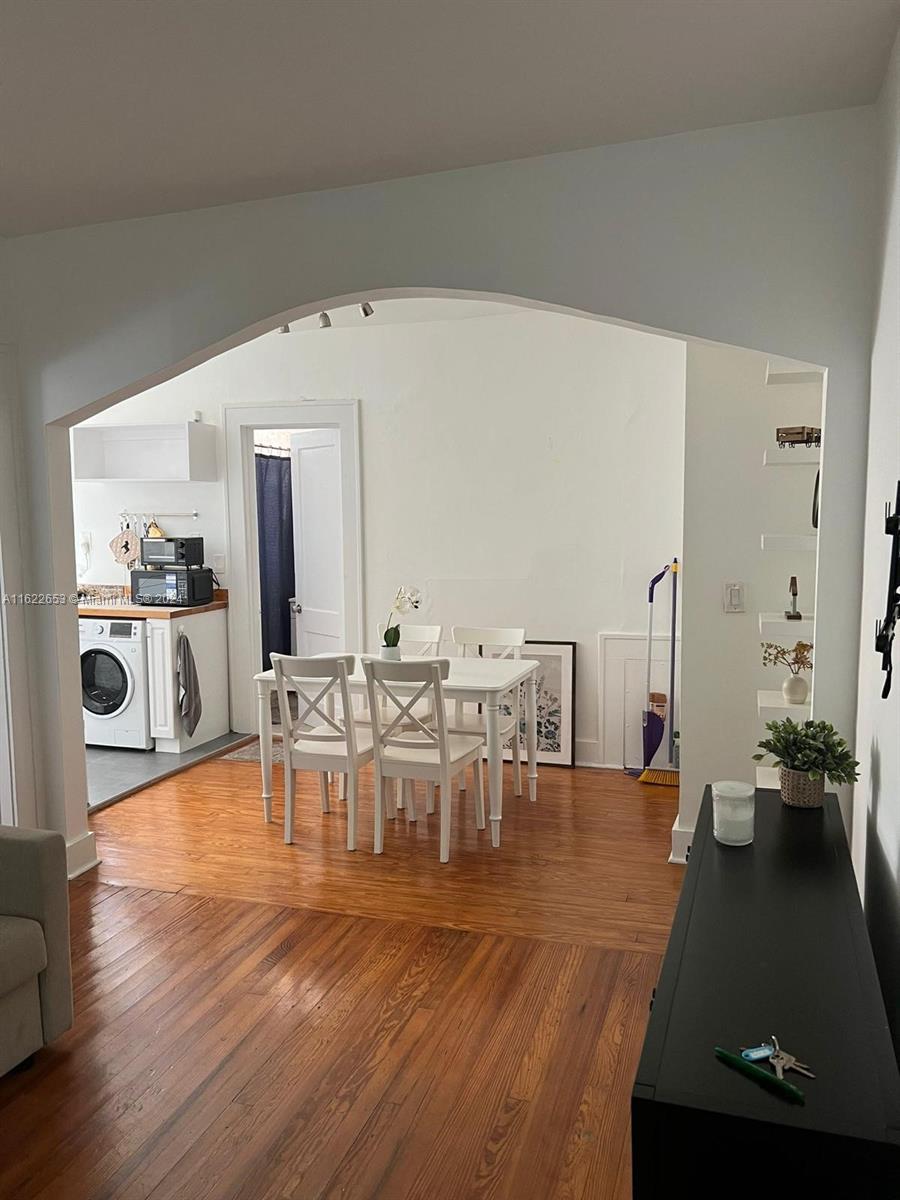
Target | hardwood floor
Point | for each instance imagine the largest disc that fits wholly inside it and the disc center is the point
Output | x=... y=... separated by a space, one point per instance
x=586 y=863
x=260 y=1022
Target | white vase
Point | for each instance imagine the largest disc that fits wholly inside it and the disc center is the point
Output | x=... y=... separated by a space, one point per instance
x=391 y=653
x=795 y=689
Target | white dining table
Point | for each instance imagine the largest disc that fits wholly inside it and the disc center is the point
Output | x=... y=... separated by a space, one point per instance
x=484 y=681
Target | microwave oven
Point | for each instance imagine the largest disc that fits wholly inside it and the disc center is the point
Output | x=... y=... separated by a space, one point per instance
x=172 y=552
x=179 y=587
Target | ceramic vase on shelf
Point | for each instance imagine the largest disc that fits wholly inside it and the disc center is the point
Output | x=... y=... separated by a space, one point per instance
x=799 y=791
x=391 y=653
x=795 y=689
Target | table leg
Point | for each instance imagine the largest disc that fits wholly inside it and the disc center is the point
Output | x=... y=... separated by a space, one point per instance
x=531 y=735
x=495 y=767
x=265 y=746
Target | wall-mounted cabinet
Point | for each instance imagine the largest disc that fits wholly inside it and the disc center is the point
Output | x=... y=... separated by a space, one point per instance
x=182 y=452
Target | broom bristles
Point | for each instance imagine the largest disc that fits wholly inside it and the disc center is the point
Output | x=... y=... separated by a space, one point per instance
x=664 y=778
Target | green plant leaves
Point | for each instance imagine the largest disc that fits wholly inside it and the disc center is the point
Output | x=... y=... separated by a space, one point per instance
x=814 y=747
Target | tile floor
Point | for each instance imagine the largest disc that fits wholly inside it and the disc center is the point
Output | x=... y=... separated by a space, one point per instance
x=113 y=774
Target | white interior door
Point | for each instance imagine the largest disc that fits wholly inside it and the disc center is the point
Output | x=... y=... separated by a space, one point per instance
x=318 y=541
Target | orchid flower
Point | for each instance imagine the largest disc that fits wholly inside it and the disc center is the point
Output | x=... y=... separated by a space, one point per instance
x=406 y=600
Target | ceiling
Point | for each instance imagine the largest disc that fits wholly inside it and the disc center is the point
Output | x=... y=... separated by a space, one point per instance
x=122 y=108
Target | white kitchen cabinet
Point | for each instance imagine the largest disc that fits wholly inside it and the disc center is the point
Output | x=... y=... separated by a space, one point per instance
x=180 y=452
x=208 y=635
x=161 y=673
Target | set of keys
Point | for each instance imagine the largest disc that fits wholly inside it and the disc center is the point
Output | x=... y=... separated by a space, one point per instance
x=777 y=1058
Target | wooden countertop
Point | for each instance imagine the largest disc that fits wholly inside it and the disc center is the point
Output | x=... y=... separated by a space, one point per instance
x=145 y=612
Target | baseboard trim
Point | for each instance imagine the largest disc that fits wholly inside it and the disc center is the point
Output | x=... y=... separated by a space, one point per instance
x=81 y=855
x=681 y=842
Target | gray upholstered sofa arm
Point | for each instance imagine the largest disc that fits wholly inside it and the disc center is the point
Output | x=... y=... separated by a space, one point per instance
x=33 y=884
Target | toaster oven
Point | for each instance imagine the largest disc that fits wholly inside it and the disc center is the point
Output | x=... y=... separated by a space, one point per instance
x=172 y=552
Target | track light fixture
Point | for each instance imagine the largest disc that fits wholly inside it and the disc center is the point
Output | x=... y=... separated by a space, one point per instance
x=324 y=320
x=284 y=329
x=366 y=309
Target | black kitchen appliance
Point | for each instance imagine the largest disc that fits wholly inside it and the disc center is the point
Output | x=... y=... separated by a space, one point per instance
x=181 y=587
x=172 y=552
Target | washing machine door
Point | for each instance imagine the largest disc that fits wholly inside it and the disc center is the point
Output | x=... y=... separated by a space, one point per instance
x=107 y=683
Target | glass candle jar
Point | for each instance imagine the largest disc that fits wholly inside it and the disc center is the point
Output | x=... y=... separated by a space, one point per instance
x=733 y=804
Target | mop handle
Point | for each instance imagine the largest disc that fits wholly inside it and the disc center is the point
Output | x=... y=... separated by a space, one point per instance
x=656 y=579
x=653 y=582
x=675 y=569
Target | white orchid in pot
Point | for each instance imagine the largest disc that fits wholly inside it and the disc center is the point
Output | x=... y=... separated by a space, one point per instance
x=407 y=600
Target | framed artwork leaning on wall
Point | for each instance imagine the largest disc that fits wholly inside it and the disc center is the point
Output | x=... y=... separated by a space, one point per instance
x=555 y=703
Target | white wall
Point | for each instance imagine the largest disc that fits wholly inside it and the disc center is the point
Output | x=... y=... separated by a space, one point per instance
x=730 y=499
x=761 y=235
x=522 y=469
x=876 y=834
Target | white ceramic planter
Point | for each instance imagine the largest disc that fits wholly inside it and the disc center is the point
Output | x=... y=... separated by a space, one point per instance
x=391 y=653
x=795 y=689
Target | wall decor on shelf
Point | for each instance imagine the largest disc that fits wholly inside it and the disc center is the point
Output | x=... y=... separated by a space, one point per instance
x=797 y=659
x=798 y=435
x=555 y=703
x=793 y=613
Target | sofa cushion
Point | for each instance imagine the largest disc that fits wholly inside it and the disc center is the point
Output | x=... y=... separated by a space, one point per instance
x=22 y=952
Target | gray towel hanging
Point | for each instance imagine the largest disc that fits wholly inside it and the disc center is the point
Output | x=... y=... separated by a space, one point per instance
x=190 y=703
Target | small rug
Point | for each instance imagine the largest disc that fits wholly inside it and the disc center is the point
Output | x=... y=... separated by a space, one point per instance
x=250 y=752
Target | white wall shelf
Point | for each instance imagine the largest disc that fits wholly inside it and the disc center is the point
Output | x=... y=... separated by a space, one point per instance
x=786 y=373
x=129 y=453
x=771 y=704
x=789 y=543
x=775 y=625
x=793 y=456
x=768 y=777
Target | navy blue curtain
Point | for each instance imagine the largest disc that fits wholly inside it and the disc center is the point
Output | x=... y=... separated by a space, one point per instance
x=276 y=552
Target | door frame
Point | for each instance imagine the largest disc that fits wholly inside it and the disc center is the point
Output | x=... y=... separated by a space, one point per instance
x=18 y=774
x=244 y=633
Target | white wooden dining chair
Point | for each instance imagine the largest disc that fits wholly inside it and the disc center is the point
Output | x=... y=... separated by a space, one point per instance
x=409 y=748
x=472 y=641
x=421 y=641
x=315 y=740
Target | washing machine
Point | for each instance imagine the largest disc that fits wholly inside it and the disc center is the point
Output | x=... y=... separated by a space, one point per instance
x=115 y=698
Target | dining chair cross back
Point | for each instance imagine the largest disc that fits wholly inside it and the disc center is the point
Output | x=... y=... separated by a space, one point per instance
x=421 y=641
x=473 y=641
x=315 y=740
x=409 y=748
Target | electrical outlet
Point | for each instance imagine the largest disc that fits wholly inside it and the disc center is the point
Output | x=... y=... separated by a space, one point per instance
x=218 y=562
x=733 y=597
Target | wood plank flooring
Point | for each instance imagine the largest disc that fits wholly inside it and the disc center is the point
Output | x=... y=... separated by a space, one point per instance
x=586 y=863
x=258 y=1022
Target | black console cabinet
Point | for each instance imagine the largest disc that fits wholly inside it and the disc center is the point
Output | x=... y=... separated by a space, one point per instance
x=768 y=938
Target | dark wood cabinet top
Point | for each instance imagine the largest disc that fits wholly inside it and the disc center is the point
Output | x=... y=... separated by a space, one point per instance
x=771 y=938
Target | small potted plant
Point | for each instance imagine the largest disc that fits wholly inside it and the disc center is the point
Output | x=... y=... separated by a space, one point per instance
x=407 y=600
x=795 y=688
x=807 y=754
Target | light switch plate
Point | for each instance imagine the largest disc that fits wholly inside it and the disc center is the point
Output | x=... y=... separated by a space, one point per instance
x=733 y=596
x=218 y=562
